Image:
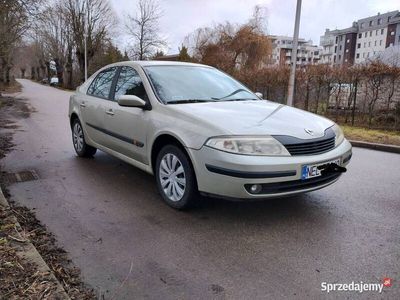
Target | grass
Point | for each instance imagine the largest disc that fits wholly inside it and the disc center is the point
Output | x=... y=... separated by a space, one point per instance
x=371 y=135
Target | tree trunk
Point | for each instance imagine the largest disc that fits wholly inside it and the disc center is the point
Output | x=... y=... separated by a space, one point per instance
x=354 y=102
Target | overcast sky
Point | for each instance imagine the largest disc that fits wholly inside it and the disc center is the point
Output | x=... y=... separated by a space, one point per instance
x=181 y=17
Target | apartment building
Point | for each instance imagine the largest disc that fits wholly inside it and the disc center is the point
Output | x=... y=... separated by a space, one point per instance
x=363 y=40
x=282 y=47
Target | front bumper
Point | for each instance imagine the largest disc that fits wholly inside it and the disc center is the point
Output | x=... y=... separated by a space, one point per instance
x=230 y=175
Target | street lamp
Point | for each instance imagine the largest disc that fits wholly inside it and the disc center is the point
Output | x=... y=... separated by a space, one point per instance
x=294 y=55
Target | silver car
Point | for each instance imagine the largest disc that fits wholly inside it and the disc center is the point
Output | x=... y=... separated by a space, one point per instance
x=200 y=131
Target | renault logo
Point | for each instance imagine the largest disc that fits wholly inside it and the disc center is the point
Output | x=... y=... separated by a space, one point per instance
x=309 y=131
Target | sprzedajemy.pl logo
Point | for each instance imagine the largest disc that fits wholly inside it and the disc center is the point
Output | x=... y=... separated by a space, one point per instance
x=356 y=286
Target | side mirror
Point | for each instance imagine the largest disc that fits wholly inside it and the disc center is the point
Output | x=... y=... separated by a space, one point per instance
x=259 y=95
x=131 y=101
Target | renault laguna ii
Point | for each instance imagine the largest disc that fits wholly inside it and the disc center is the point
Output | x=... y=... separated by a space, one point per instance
x=200 y=131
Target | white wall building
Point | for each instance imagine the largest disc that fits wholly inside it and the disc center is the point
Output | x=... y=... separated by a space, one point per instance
x=366 y=38
x=282 y=47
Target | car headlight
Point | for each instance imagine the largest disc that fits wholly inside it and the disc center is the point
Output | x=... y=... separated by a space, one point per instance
x=339 y=135
x=249 y=145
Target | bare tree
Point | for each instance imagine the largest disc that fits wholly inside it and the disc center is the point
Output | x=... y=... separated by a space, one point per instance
x=15 y=17
x=143 y=29
x=53 y=31
x=376 y=73
x=93 y=19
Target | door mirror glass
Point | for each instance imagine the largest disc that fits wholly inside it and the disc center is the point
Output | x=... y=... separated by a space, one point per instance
x=259 y=95
x=130 y=101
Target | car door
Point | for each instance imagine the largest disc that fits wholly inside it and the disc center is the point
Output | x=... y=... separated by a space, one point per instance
x=127 y=125
x=93 y=105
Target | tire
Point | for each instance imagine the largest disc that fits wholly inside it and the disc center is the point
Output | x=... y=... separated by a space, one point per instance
x=78 y=140
x=176 y=180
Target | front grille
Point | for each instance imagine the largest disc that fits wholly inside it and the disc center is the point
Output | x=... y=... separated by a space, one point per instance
x=297 y=146
x=312 y=147
x=295 y=185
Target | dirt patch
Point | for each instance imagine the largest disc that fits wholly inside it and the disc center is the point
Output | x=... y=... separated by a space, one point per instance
x=11 y=109
x=20 y=279
x=13 y=87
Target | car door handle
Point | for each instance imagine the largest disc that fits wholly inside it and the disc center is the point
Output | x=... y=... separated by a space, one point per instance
x=110 y=112
x=83 y=104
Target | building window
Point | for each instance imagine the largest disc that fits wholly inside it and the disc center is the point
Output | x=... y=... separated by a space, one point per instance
x=362 y=25
x=358 y=55
x=369 y=44
x=335 y=49
x=364 y=55
x=340 y=48
x=358 y=45
x=368 y=54
x=340 y=57
x=371 y=23
x=379 y=21
x=360 y=35
x=375 y=43
x=389 y=18
x=370 y=33
x=382 y=31
x=365 y=34
x=336 y=39
x=365 y=44
x=376 y=32
x=380 y=43
x=341 y=38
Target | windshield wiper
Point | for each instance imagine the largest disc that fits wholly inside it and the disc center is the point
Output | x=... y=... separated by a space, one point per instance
x=238 y=99
x=231 y=94
x=190 y=101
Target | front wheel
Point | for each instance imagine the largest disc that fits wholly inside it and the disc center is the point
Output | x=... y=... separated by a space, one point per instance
x=78 y=139
x=175 y=178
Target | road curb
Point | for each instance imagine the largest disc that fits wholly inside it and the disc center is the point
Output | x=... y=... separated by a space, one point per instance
x=29 y=252
x=376 y=146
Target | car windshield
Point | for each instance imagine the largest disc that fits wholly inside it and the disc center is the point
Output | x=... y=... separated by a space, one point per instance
x=188 y=84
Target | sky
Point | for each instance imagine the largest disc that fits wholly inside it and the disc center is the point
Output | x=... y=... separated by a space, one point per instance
x=181 y=17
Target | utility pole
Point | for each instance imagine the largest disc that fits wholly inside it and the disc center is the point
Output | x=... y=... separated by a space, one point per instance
x=294 y=55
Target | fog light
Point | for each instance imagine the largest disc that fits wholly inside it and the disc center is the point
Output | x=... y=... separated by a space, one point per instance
x=255 y=188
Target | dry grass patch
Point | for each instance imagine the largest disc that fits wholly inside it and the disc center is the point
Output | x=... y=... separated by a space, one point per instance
x=372 y=135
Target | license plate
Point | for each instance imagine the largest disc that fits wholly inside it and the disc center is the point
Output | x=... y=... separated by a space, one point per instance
x=311 y=171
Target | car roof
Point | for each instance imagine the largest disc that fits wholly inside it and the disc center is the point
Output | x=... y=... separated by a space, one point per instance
x=146 y=63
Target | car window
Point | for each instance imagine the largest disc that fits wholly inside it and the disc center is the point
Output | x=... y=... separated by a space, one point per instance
x=179 y=84
x=101 y=85
x=130 y=83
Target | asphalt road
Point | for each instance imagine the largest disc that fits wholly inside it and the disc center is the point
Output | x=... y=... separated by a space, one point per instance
x=128 y=244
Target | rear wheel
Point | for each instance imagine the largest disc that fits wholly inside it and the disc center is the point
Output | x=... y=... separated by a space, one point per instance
x=78 y=139
x=175 y=178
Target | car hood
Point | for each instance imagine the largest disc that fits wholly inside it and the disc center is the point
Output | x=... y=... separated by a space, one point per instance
x=259 y=117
